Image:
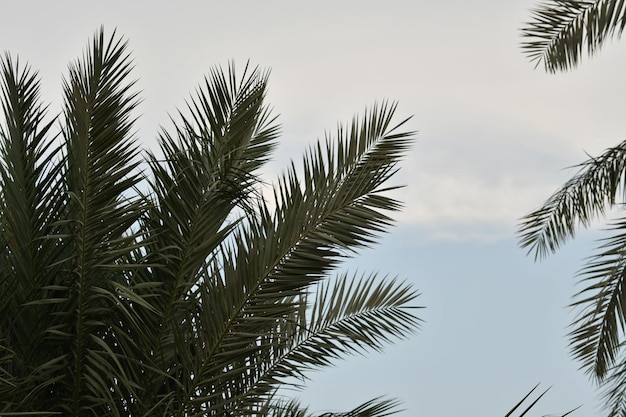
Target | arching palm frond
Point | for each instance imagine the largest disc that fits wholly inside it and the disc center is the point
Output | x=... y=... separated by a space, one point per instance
x=597 y=186
x=377 y=407
x=351 y=315
x=561 y=29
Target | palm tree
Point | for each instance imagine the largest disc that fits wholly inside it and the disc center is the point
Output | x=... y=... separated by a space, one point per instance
x=555 y=38
x=163 y=283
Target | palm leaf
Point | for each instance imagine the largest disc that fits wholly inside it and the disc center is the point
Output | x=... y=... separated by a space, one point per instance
x=30 y=204
x=595 y=340
x=561 y=29
x=599 y=183
x=350 y=316
x=101 y=162
x=595 y=188
x=533 y=402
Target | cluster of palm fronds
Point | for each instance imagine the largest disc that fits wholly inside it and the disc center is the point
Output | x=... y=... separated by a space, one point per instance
x=556 y=37
x=164 y=284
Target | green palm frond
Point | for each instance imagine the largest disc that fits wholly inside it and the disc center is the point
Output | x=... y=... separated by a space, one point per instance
x=30 y=204
x=207 y=170
x=377 y=407
x=595 y=340
x=348 y=316
x=351 y=315
x=561 y=29
x=597 y=186
x=101 y=161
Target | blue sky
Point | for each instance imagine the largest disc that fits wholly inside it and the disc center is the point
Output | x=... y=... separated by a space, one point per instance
x=494 y=138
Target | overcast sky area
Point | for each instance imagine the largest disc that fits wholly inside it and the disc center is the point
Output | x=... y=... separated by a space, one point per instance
x=494 y=138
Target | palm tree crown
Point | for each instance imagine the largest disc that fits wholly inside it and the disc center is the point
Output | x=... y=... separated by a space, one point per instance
x=164 y=284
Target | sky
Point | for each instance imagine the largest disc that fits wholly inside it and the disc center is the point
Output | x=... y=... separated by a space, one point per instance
x=494 y=139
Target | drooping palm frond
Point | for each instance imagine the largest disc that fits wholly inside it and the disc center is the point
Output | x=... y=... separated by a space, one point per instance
x=561 y=29
x=598 y=185
x=347 y=316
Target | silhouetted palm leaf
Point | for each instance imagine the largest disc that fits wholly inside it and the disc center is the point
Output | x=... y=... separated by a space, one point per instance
x=561 y=29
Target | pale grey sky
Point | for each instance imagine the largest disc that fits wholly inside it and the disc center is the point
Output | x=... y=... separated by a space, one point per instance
x=494 y=137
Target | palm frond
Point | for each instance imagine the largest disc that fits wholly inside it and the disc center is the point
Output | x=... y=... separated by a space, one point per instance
x=101 y=171
x=376 y=407
x=561 y=29
x=595 y=340
x=207 y=170
x=533 y=402
x=613 y=388
x=30 y=204
x=597 y=186
x=351 y=315
x=348 y=316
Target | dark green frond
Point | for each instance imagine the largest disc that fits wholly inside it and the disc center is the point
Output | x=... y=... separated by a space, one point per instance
x=595 y=340
x=30 y=205
x=335 y=208
x=614 y=388
x=561 y=29
x=597 y=186
x=101 y=174
x=350 y=315
x=377 y=407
